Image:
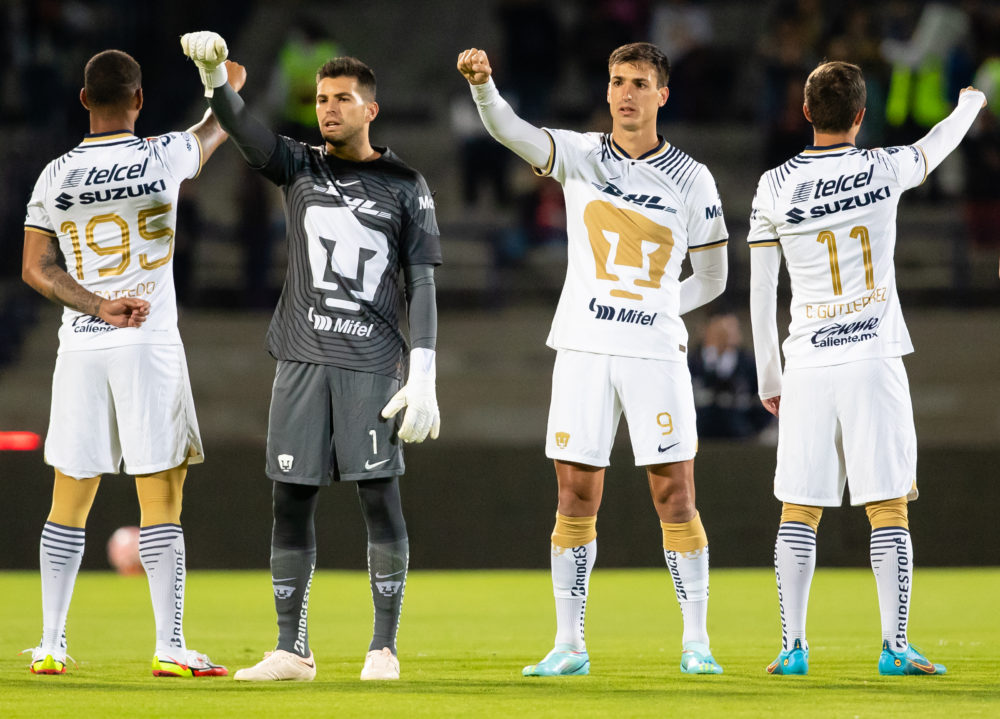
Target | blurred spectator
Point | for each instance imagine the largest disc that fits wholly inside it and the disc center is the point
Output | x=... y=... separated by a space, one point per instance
x=292 y=92
x=855 y=39
x=607 y=24
x=981 y=148
x=787 y=57
x=483 y=161
x=541 y=223
x=532 y=56
x=699 y=73
x=724 y=378
x=919 y=94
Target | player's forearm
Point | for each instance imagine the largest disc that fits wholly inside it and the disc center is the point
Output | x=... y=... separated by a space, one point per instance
x=764 y=265
x=945 y=136
x=522 y=138
x=47 y=278
x=708 y=281
x=209 y=133
x=254 y=139
x=421 y=295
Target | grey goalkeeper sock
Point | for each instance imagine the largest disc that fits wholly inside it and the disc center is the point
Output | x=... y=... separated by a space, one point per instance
x=387 y=565
x=291 y=576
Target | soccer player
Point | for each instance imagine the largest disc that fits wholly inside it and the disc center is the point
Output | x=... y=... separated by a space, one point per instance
x=635 y=206
x=120 y=389
x=845 y=413
x=356 y=216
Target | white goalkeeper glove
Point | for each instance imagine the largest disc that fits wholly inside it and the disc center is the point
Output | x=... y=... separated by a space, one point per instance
x=418 y=397
x=209 y=52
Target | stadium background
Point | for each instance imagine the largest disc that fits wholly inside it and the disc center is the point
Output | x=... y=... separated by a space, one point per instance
x=483 y=494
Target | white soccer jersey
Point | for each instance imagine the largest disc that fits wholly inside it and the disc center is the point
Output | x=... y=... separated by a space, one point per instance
x=630 y=222
x=112 y=203
x=833 y=212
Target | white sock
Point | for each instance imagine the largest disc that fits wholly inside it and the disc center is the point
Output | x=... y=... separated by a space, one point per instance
x=571 y=584
x=161 y=548
x=892 y=562
x=794 y=566
x=60 y=553
x=689 y=572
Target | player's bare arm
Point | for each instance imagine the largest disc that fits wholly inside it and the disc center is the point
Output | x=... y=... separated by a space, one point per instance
x=474 y=66
x=209 y=133
x=41 y=271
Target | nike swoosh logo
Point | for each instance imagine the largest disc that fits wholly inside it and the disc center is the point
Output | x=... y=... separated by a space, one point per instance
x=311 y=664
x=369 y=465
x=386 y=576
x=669 y=446
x=347 y=184
x=286 y=579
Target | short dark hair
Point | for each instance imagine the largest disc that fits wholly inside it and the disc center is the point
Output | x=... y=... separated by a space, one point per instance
x=111 y=78
x=350 y=67
x=835 y=93
x=636 y=52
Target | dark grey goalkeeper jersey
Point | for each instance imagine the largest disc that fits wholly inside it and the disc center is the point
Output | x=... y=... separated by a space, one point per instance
x=351 y=226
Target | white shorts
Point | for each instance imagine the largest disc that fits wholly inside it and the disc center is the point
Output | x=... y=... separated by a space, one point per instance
x=590 y=392
x=849 y=423
x=131 y=402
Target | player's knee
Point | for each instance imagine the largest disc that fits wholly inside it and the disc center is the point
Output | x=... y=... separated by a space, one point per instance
x=72 y=499
x=294 y=508
x=382 y=510
x=684 y=536
x=161 y=496
x=574 y=531
x=801 y=513
x=888 y=513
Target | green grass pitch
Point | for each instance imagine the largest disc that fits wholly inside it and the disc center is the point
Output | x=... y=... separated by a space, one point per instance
x=465 y=636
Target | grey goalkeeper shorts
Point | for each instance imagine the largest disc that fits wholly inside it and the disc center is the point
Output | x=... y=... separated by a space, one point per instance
x=325 y=422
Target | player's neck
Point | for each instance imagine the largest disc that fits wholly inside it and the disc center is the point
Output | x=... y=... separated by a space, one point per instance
x=825 y=139
x=636 y=142
x=101 y=122
x=353 y=152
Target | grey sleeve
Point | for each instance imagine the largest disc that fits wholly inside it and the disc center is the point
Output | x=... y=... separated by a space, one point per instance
x=254 y=139
x=422 y=305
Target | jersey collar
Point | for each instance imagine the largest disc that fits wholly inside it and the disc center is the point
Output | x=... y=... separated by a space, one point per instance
x=825 y=149
x=620 y=154
x=92 y=137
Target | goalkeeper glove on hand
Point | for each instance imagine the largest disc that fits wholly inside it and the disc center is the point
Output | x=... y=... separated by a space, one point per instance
x=209 y=52
x=417 y=396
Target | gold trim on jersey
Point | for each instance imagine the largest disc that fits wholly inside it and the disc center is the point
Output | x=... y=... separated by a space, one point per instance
x=839 y=147
x=40 y=230
x=710 y=246
x=547 y=170
x=105 y=138
x=201 y=156
x=764 y=243
x=925 y=163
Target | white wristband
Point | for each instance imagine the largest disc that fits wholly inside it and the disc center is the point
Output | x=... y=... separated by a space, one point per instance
x=422 y=365
x=211 y=79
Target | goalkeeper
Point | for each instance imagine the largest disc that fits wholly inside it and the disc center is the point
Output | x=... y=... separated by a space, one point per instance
x=356 y=215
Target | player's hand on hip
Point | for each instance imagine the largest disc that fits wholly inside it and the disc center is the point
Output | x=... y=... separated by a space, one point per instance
x=124 y=312
x=237 y=75
x=421 y=418
x=772 y=404
x=475 y=66
x=209 y=52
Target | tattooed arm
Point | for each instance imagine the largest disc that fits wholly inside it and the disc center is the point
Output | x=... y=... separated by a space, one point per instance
x=40 y=270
